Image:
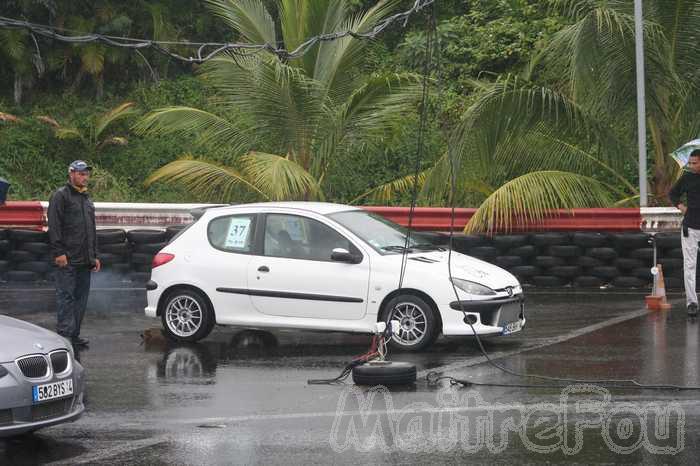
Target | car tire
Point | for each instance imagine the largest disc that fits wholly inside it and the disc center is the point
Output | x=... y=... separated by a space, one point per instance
x=29 y=236
x=630 y=240
x=187 y=315
x=508 y=262
x=588 y=262
x=4 y=266
x=111 y=236
x=20 y=256
x=605 y=272
x=5 y=245
x=604 y=254
x=645 y=254
x=115 y=248
x=525 y=271
x=589 y=240
x=505 y=242
x=35 y=248
x=549 y=239
x=410 y=309
x=668 y=240
x=565 y=250
x=146 y=236
x=548 y=281
x=547 y=261
x=675 y=252
x=527 y=250
x=484 y=252
x=384 y=373
x=34 y=266
x=626 y=263
x=565 y=271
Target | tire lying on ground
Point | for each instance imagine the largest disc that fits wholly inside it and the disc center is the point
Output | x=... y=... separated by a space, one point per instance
x=645 y=254
x=20 y=256
x=140 y=277
x=668 y=240
x=565 y=250
x=629 y=282
x=527 y=250
x=587 y=281
x=626 y=263
x=114 y=248
x=386 y=373
x=606 y=272
x=34 y=266
x=508 y=261
x=505 y=242
x=565 y=271
x=29 y=236
x=146 y=236
x=35 y=248
x=548 y=281
x=604 y=254
x=484 y=252
x=21 y=276
x=630 y=240
x=547 y=261
x=673 y=283
x=110 y=236
x=549 y=239
x=149 y=248
x=173 y=230
x=524 y=272
x=589 y=240
x=588 y=262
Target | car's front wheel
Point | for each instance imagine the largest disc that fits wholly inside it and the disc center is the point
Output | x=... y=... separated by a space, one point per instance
x=418 y=325
x=187 y=316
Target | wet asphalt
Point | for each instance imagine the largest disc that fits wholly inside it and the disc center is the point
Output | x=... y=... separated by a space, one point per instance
x=241 y=396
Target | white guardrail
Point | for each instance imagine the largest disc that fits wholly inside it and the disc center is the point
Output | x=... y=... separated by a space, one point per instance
x=130 y=216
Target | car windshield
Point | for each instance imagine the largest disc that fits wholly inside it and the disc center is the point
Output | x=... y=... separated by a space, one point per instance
x=383 y=235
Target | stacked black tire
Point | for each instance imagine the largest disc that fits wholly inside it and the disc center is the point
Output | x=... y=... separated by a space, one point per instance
x=126 y=256
x=25 y=256
x=579 y=259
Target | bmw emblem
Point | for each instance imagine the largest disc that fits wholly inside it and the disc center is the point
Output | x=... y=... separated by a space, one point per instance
x=38 y=346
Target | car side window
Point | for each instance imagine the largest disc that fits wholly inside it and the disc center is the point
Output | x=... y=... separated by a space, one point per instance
x=298 y=237
x=232 y=233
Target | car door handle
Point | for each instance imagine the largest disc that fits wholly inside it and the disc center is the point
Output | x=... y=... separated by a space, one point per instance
x=263 y=268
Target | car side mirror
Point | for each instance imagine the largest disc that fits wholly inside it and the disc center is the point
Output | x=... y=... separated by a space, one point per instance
x=343 y=255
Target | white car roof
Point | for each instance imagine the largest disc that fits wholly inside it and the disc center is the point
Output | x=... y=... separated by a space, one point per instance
x=321 y=208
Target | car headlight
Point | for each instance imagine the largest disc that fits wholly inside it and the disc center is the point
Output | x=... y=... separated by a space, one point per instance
x=3 y=372
x=472 y=287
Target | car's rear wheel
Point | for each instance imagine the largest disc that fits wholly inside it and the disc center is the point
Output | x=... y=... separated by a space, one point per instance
x=187 y=315
x=418 y=323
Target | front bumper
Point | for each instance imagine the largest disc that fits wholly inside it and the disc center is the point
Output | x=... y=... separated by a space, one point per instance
x=19 y=415
x=499 y=316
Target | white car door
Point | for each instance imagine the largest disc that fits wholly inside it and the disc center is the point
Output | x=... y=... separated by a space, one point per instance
x=224 y=266
x=295 y=276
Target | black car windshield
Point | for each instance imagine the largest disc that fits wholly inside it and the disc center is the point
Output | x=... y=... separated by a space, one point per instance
x=383 y=235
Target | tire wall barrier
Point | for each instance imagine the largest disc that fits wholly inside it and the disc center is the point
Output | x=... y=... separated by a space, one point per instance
x=619 y=255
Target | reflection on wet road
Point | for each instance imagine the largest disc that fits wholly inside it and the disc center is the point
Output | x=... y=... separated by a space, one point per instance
x=240 y=396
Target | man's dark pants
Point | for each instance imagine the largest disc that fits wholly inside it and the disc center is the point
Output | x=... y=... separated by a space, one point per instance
x=72 y=290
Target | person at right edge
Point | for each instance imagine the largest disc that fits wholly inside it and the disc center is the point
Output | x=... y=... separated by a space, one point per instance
x=688 y=185
x=73 y=238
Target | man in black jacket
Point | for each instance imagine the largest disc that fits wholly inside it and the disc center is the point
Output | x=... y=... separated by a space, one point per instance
x=73 y=237
x=689 y=185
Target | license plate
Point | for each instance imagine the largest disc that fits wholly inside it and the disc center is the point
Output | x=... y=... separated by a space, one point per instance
x=53 y=390
x=512 y=327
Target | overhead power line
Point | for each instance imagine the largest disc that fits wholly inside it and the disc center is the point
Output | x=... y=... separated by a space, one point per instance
x=207 y=50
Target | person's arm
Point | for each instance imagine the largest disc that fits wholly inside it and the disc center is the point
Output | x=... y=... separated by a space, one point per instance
x=676 y=192
x=55 y=213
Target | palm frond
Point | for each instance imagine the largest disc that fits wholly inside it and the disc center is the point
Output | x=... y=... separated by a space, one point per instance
x=92 y=58
x=119 y=112
x=207 y=179
x=67 y=134
x=387 y=192
x=49 y=121
x=209 y=130
x=250 y=18
x=532 y=197
x=279 y=177
x=113 y=141
x=7 y=117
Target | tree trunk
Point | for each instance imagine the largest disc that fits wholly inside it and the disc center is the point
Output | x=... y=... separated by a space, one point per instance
x=18 y=89
x=100 y=86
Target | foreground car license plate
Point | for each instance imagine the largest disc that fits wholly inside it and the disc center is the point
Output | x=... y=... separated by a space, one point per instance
x=50 y=391
x=512 y=327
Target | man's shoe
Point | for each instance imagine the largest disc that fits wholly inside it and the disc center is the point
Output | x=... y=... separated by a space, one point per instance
x=77 y=341
x=693 y=310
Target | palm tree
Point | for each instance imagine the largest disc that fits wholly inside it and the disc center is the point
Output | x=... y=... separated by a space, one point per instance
x=563 y=134
x=96 y=136
x=279 y=123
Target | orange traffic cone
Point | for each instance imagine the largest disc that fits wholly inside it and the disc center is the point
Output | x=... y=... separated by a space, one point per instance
x=656 y=301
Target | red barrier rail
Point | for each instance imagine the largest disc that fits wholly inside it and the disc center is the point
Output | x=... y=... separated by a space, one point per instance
x=22 y=214
x=438 y=219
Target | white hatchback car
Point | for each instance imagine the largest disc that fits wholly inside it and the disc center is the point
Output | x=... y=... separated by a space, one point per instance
x=321 y=266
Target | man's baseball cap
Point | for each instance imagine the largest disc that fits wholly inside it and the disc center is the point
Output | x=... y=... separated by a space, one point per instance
x=79 y=166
